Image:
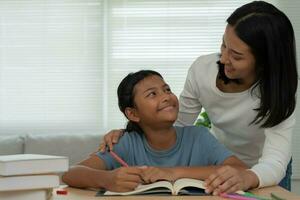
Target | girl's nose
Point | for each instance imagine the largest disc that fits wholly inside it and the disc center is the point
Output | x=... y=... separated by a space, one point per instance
x=165 y=96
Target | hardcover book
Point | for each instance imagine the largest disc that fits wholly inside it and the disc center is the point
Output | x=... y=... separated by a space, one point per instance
x=42 y=194
x=20 y=164
x=29 y=182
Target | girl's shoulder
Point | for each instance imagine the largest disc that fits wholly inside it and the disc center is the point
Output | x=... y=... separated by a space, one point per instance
x=131 y=138
x=194 y=131
x=199 y=135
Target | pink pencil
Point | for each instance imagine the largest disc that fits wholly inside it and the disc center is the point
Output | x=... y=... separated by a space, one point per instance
x=117 y=158
x=236 y=196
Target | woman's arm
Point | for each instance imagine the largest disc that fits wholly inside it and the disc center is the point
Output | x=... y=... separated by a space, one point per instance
x=189 y=105
x=110 y=138
x=231 y=177
x=91 y=173
x=276 y=154
x=270 y=168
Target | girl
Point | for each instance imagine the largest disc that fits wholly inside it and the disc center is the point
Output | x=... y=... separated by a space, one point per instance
x=151 y=140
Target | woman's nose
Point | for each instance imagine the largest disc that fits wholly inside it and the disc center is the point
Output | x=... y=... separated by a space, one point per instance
x=224 y=57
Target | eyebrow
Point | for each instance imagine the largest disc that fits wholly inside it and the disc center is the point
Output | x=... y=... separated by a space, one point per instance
x=234 y=51
x=153 y=88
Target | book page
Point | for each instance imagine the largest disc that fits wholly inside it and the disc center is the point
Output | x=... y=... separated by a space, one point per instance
x=188 y=182
x=142 y=189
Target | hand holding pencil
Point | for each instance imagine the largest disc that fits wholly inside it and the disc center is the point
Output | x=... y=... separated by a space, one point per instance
x=124 y=178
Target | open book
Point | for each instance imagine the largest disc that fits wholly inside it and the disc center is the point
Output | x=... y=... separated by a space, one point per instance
x=183 y=186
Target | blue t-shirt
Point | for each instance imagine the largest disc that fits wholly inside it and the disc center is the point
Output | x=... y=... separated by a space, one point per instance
x=195 y=146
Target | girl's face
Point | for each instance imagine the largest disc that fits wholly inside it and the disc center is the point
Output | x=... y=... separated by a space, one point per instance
x=154 y=101
x=237 y=58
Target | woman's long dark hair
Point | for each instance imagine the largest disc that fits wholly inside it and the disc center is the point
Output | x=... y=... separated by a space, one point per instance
x=126 y=94
x=270 y=35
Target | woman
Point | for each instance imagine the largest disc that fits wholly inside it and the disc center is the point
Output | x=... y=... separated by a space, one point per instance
x=248 y=92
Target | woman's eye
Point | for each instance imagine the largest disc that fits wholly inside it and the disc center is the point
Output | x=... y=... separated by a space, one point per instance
x=236 y=58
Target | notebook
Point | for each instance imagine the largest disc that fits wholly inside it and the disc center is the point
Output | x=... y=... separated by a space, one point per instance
x=20 y=164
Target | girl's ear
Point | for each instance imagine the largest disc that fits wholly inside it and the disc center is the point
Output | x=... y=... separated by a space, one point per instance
x=131 y=114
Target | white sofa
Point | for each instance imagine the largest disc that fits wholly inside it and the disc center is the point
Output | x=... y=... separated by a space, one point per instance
x=75 y=146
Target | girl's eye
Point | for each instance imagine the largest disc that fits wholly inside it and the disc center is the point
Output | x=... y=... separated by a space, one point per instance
x=151 y=94
x=168 y=90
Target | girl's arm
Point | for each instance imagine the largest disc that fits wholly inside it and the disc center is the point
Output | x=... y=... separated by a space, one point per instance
x=152 y=174
x=91 y=173
x=232 y=175
x=86 y=173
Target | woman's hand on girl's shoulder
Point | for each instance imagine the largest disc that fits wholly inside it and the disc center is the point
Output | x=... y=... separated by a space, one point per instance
x=229 y=179
x=111 y=138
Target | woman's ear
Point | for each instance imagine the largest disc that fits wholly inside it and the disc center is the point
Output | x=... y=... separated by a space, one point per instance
x=131 y=114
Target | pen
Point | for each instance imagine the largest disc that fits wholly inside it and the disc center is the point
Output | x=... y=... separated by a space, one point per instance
x=117 y=158
x=236 y=196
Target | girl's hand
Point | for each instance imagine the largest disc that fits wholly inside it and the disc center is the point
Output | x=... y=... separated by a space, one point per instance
x=123 y=179
x=111 y=138
x=228 y=179
x=153 y=174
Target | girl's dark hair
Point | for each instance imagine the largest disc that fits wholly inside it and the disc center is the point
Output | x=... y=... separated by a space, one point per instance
x=270 y=35
x=126 y=94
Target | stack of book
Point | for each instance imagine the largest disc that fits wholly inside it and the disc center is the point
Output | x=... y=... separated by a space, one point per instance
x=30 y=176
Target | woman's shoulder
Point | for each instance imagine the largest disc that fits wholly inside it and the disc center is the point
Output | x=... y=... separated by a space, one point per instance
x=205 y=62
x=204 y=68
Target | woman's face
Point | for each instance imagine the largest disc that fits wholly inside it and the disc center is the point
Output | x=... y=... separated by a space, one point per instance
x=154 y=102
x=237 y=58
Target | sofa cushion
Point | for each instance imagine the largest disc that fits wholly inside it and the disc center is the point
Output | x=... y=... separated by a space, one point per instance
x=11 y=144
x=74 y=146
